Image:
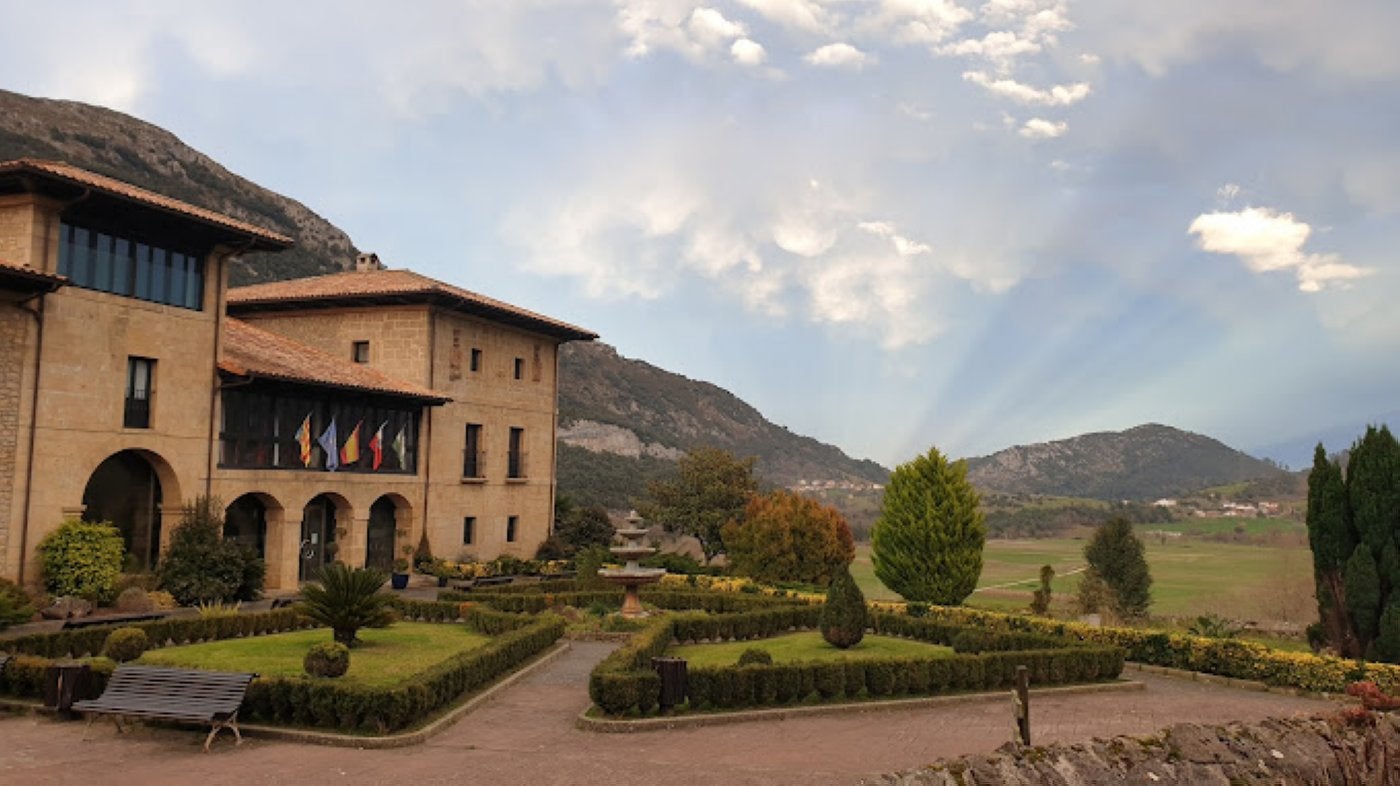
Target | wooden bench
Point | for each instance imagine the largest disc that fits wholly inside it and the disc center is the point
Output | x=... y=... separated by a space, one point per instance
x=111 y=619
x=170 y=694
x=283 y=603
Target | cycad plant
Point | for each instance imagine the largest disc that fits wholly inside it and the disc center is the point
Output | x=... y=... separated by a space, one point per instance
x=348 y=599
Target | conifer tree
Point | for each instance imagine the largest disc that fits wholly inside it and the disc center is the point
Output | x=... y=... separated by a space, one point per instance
x=1116 y=554
x=927 y=542
x=1333 y=539
x=1363 y=595
x=844 y=617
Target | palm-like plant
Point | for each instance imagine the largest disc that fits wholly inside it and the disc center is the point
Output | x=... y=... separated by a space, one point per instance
x=348 y=599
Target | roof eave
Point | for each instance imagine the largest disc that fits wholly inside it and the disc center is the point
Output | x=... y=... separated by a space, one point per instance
x=435 y=400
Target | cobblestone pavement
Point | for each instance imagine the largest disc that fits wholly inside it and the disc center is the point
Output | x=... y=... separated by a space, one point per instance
x=525 y=735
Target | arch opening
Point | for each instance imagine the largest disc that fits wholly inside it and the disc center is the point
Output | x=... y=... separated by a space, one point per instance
x=126 y=490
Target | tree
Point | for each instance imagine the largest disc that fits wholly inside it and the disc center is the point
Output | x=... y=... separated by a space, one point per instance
x=788 y=537
x=1333 y=539
x=584 y=527
x=347 y=599
x=201 y=567
x=1040 y=601
x=1362 y=586
x=710 y=489
x=927 y=542
x=844 y=617
x=1116 y=554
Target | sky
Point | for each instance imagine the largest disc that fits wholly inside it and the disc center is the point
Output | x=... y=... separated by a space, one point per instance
x=889 y=225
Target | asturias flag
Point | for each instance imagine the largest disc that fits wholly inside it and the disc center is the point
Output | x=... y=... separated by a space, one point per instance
x=328 y=444
x=350 y=453
x=304 y=440
x=376 y=445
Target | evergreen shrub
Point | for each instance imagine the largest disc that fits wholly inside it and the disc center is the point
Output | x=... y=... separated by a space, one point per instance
x=201 y=567
x=83 y=559
x=127 y=643
x=844 y=616
x=754 y=656
x=328 y=659
x=16 y=607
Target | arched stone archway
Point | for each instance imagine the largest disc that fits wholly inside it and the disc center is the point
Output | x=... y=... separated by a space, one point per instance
x=389 y=514
x=321 y=520
x=245 y=523
x=129 y=489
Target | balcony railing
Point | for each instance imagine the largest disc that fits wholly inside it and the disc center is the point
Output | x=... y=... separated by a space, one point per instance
x=137 y=413
x=515 y=465
x=473 y=463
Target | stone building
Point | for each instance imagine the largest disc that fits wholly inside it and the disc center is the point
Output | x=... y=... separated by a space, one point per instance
x=338 y=417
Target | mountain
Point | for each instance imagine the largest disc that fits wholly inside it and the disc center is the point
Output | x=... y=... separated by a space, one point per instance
x=1142 y=463
x=648 y=417
x=121 y=146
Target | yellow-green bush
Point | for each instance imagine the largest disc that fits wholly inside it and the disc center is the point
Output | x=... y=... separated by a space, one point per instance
x=82 y=558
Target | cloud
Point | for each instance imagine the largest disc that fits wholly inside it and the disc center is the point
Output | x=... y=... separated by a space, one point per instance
x=748 y=52
x=840 y=55
x=802 y=15
x=1267 y=241
x=1058 y=95
x=927 y=22
x=695 y=32
x=1040 y=128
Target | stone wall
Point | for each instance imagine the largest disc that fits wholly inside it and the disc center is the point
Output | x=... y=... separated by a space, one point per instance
x=1301 y=752
x=14 y=336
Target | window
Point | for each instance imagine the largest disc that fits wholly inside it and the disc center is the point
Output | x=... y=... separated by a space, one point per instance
x=515 y=459
x=269 y=427
x=140 y=373
x=122 y=266
x=472 y=464
x=476 y=359
x=360 y=352
x=520 y=368
x=468 y=530
x=511 y=523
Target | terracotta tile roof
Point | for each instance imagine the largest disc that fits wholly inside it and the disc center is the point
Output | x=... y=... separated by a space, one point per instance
x=388 y=286
x=253 y=352
x=31 y=278
x=82 y=177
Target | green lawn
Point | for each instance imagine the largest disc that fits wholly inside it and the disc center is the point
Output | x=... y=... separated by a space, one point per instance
x=1190 y=577
x=388 y=656
x=805 y=646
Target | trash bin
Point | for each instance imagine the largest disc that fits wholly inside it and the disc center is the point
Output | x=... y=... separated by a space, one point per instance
x=673 y=677
x=65 y=683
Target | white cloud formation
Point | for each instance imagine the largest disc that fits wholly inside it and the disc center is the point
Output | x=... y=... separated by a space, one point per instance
x=803 y=15
x=1057 y=95
x=696 y=32
x=1040 y=128
x=926 y=22
x=839 y=55
x=1266 y=240
x=748 y=52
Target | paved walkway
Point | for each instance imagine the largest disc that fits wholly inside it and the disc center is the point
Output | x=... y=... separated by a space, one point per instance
x=526 y=736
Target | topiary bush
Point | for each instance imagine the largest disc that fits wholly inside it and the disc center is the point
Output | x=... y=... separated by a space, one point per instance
x=844 y=617
x=755 y=655
x=15 y=604
x=82 y=558
x=124 y=644
x=328 y=659
x=200 y=566
x=134 y=600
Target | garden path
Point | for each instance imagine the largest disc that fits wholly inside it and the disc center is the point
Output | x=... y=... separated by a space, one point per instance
x=526 y=735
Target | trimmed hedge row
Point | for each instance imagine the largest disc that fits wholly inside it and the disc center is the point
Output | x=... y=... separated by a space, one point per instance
x=760 y=624
x=1224 y=657
x=23 y=676
x=624 y=680
x=698 y=600
x=171 y=631
x=332 y=705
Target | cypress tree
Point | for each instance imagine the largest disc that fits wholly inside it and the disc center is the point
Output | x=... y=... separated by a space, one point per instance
x=927 y=542
x=1388 y=638
x=844 y=617
x=1118 y=556
x=1373 y=487
x=1363 y=594
x=1333 y=539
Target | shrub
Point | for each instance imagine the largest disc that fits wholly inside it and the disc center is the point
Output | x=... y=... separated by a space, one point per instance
x=201 y=566
x=124 y=644
x=82 y=558
x=328 y=659
x=675 y=562
x=916 y=608
x=844 y=617
x=161 y=599
x=15 y=605
x=1213 y=626
x=346 y=600
x=134 y=600
x=755 y=655
x=927 y=542
x=1118 y=557
x=787 y=537
x=1040 y=602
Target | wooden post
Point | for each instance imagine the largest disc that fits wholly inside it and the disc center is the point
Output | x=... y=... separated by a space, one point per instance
x=1021 y=698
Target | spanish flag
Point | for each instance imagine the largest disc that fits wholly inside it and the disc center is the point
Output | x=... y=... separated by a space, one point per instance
x=304 y=440
x=350 y=452
x=376 y=446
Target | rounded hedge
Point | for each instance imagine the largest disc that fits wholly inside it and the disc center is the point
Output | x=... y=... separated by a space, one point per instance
x=755 y=655
x=124 y=644
x=328 y=659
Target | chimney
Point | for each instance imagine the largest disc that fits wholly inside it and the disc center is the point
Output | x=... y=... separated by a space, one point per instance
x=368 y=262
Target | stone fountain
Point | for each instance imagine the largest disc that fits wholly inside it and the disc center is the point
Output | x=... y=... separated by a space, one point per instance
x=631 y=575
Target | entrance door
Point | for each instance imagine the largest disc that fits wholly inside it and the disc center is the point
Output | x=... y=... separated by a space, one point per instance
x=124 y=491
x=379 y=538
x=317 y=534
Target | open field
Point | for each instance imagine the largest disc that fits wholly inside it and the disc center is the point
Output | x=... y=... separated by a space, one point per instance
x=808 y=645
x=387 y=656
x=1268 y=584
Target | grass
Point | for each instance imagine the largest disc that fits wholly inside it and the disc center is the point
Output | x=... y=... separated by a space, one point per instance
x=808 y=645
x=388 y=657
x=1190 y=577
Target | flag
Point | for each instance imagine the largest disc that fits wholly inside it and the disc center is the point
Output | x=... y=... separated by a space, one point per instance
x=328 y=444
x=350 y=453
x=304 y=440
x=401 y=447
x=376 y=445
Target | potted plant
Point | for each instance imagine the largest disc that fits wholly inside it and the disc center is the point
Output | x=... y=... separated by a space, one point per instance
x=399 y=578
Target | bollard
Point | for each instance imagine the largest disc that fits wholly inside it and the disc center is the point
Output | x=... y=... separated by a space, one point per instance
x=1021 y=699
x=65 y=683
x=673 y=680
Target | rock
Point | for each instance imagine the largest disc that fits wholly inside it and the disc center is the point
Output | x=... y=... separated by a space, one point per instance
x=67 y=606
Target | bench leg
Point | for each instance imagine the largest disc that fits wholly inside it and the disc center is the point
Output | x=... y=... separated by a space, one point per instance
x=232 y=723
